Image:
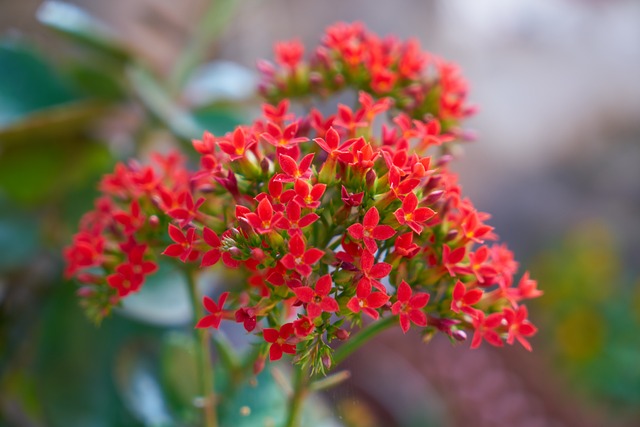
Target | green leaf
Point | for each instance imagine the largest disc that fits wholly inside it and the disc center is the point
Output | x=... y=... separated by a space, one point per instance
x=265 y=403
x=73 y=22
x=28 y=83
x=18 y=234
x=217 y=120
x=44 y=170
x=179 y=375
x=138 y=384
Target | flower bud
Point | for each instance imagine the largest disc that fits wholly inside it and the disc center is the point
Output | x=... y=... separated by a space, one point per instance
x=433 y=197
x=264 y=165
x=459 y=335
x=326 y=360
x=451 y=235
x=154 y=221
x=342 y=334
x=444 y=160
x=370 y=178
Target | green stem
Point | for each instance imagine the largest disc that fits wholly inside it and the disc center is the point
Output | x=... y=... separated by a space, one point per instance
x=203 y=354
x=297 y=398
x=364 y=335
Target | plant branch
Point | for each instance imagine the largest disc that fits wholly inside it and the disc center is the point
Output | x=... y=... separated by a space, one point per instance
x=203 y=354
x=300 y=390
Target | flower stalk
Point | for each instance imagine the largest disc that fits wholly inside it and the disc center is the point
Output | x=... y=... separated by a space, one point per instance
x=203 y=357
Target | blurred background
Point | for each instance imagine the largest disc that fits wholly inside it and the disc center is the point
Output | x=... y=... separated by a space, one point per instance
x=86 y=83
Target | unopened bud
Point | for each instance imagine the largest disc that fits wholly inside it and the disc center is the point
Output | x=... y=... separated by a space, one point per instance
x=258 y=254
x=451 y=235
x=444 y=160
x=370 y=178
x=433 y=197
x=342 y=334
x=326 y=360
x=85 y=292
x=154 y=221
x=315 y=79
x=264 y=165
x=459 y=335
x=433 y=183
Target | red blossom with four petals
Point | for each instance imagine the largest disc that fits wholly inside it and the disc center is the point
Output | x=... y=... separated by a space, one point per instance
x=318 y=300
x=212 y=320
x=409 y=307
x=369 y=231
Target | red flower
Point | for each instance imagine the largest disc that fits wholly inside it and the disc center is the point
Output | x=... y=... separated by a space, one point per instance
x=238 y=146
x=474 y=229
x=332 y=143
x=213 y=319
x=213 y=255
x=188 y=210
x=408 y=307
x=300 y=259
x=129 y=276
x=485 y=328
x=303 y=326
x=367 y=301
x=369 y=231
x=293 y=222
x=405 y=247
x=479 y=266
x=371 y=271
x=282 y=139
x=318 y=300
x=292 y=171
x=350 y=199
x=308 y=197
x=289 y=53
x=518 y=326
x=263 y=220
x=411 y=215
x=462 y=300
x=279 y=340
x=451 y=260
x=277 y=114
x=131 y=221
x=247 y=316
x=183 y=246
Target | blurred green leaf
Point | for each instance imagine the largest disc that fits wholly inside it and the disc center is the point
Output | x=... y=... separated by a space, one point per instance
x=74 y=364
x=28 y=83
x=263 y=402
x=19 y=236
x=216 y=120
x=137 y=381
x=179 y=374
x=96 y=81
x=33 y=172
x=75 y=23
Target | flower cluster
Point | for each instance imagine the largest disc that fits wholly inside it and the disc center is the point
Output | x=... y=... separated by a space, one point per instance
x=352 y=57
x=329 y=220
x=117 y=244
